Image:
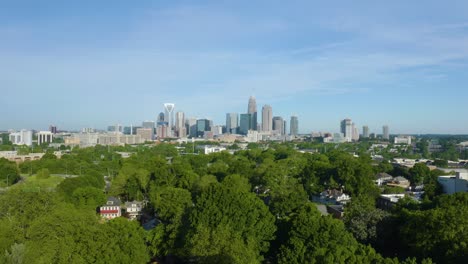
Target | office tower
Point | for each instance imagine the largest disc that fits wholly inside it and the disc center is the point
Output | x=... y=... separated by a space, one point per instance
x=232 y=123
x=169 y=116
x=245 y=123
x=365 y=132
x=385 y=132
x=347 y=129
x=146 y=134
x=148 y=124
x=285 y=127
x=180 y=125
x=267 y=118
x=252 y=109
x=23 y=137
x=115 y=128
x=278 y=125
x=203 y=125
x=162 y=131
x=355 y=136
x=191 y=126
x=160 y=118
x=294 y=123
x=53 y=129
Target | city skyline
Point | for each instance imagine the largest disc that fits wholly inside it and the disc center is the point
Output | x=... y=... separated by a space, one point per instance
x=91 y=65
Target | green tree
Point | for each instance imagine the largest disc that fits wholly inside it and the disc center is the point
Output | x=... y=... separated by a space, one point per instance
x=43 y=174
x=316 y=239
x=361 y=218
x=9 y=173
x=418 y=173
x=229 y=225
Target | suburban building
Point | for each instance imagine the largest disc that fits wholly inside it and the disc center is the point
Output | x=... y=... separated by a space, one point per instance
x=454 y=183
x=111 y=209
x=387 y=201
x=402 y=140
x=399 y=181
x=213 y=149
x=44 y=137
x=382 y=178
x=334 y=196
x=133 y=209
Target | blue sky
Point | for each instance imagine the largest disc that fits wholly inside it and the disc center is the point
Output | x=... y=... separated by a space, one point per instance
x=95 y=63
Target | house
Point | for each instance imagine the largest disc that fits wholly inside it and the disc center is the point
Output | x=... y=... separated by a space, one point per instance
x=337 y=211
x=387 y=201
x=133 y=209
x=382 y=178
x=334 y=196
x=399 y=181
x=111 y=209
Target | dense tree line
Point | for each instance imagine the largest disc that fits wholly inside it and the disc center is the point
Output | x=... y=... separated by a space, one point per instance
x=249 y=207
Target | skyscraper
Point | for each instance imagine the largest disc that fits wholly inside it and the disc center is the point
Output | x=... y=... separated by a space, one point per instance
x=278 y=125
x=191 y=126
x=294 y=129
x=365 y=132
x=385 y=132
x=169 y=116
x=267 y=118
x=160 y=118
x=232 y=123
x=245 y=123
x=347 y=129
x=203 y=125
x=148 y=124
x=252 y=109
x=180 y=125
x=355 y=136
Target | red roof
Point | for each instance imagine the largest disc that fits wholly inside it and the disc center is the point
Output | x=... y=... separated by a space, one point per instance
x=109 y=211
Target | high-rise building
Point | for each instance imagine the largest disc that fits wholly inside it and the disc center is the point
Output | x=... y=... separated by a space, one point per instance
x=203 y=125
x=278 y=125
x=365 y=132
x=146 y=134
x=285 y=127
x=53 y=129
x=267 y=118
x=191 y=126
x=347 y=129
x=385 y=132
x=294 y=129
x=44 y=137
x=252 y=109
x=232 y=123
x=169 y=116
x=160 y=118
x=355 y=136
x=115 y=128
x=180 y=125
x=148 y=124
x=245 y=123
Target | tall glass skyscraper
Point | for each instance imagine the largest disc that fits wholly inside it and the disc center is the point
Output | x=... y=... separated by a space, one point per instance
x=252 y=110
x=294 y=129
x=245 y=123
x=232 y=123
x=267 y=118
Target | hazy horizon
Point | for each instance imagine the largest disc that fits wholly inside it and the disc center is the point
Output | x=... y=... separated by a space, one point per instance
x=94 y=64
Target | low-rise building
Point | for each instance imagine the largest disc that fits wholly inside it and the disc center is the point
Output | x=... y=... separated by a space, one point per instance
x=454 y=183
x=399 y=181
x=213 y=149
x=382 y=178
x=133 y=209
x=402 y=140
x=111 y=209
x=387 y=201
x=334 y=196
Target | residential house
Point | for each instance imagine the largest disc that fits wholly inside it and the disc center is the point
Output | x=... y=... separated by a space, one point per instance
x=399 y=181
x=387 y=201
x=111 y=209
x=337 y=211
x=133 y=209
x=334 y=196
x=382 y=178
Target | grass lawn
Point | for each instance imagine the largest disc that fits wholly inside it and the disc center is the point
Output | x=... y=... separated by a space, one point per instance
x=35 y=184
